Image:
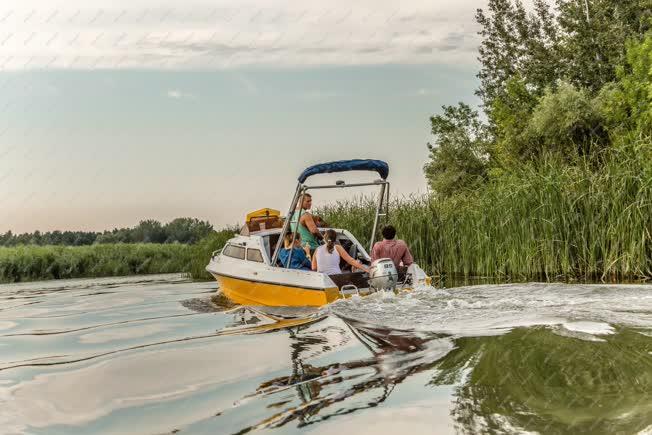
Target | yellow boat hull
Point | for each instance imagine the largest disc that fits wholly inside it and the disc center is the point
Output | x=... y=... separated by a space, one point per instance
x=246 y=292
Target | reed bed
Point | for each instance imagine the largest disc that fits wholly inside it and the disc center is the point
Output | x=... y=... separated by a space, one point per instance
x=544 y=221
x=30 y=263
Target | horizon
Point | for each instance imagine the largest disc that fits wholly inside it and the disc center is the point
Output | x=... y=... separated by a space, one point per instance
x=117 y=113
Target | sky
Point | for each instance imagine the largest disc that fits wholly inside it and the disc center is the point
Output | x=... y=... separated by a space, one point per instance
x=112 y=112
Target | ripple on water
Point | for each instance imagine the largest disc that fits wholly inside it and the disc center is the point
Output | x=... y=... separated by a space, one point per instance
x=164 y=355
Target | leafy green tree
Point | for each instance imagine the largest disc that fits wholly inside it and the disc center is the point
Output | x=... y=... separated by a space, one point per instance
x=511 y=112
x=580 y=42
x=628 y=103
x=567 y=121
x=83 y=238
x=187 y=230
x=515 y=43
x=36 y=238
x=525 y=58
x=105 y=238
x=7 y=239
x=56 y=237
x=595 y=34
x=182 y=230
x=150 y=231
x=458 y=159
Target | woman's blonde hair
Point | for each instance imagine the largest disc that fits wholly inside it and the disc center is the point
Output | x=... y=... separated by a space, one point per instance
x=288 y=239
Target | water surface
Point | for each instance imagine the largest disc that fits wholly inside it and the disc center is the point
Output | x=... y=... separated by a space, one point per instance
x=164 y=355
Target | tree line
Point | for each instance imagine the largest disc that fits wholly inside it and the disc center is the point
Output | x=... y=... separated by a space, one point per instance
x=566 y=80
x=181 y=230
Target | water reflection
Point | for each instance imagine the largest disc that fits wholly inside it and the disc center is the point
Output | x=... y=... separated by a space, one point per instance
x=535 y=380
x=530 y=379
x=323 y=391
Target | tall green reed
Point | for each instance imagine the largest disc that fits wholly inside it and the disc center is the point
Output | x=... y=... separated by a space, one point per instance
x=546 y=220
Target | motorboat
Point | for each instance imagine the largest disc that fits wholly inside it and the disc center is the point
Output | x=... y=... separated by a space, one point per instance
x=249 y=272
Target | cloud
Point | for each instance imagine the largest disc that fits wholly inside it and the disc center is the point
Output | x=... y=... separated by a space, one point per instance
x=176 y=94
x=423 y=92
x=149 y=34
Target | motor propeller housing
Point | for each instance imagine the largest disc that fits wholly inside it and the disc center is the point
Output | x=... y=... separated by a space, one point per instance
x=383 y=274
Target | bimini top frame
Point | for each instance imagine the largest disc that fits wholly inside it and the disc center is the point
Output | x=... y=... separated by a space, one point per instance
x=382 y=168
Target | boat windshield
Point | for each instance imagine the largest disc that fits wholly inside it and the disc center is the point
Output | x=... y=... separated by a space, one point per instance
x=270 y=243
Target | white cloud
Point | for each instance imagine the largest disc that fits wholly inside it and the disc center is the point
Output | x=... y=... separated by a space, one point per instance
x=423 y=92
x=176 y=94
x=229 y=34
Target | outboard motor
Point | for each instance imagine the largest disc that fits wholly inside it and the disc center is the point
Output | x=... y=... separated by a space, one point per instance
x=383 y=275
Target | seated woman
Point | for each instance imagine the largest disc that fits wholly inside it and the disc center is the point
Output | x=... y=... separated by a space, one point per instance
x=300 y=256
x=327 y=257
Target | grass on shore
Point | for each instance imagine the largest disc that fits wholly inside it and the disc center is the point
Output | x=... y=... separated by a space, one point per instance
x=31 y=263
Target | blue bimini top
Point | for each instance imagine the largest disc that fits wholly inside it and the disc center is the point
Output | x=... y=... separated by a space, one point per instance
x=346 y=165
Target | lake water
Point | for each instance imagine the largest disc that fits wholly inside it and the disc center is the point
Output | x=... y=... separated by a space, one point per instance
x=164 y=355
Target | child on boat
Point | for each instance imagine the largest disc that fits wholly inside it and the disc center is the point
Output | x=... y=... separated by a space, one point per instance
x=300 y=256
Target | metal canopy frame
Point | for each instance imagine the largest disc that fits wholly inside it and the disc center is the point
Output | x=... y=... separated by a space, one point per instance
x=299 y=194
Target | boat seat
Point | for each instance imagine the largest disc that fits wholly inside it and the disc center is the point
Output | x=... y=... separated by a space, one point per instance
x=358 y=279
x=347 y=245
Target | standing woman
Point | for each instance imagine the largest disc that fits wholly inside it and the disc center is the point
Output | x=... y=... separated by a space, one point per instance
x=327 y=257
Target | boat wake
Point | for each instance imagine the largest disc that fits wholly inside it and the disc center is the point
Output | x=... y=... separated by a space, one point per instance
x=585 y=311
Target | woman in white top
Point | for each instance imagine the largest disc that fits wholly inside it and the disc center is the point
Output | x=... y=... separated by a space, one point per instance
x=327 y=257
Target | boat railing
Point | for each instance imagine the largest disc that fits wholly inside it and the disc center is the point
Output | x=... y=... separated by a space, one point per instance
x=349 y=289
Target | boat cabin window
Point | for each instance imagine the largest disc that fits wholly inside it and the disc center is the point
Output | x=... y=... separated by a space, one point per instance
x=255 y=255
x=269 y=242
x=234 y=252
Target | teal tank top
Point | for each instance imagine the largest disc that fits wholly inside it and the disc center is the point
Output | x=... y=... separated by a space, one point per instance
x=306 y=236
